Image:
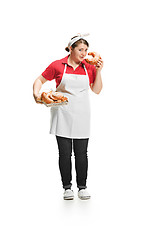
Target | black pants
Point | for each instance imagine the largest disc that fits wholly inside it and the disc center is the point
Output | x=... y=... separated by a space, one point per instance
x=79 y=146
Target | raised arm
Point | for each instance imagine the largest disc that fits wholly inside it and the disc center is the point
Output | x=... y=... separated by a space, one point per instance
x=96 y=87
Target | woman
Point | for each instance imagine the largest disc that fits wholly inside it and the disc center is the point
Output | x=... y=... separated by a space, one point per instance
x=71 y=123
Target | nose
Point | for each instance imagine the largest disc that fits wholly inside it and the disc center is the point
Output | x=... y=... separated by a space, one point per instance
x=83 y=53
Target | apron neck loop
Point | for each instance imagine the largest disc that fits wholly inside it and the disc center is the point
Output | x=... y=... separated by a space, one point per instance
x=85 y=70
x=65 y=67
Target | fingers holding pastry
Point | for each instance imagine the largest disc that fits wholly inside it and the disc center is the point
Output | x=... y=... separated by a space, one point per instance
x=99 y=64
x=38 y=98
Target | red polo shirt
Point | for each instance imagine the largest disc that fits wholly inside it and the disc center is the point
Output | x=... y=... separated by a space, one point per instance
x=55 y=70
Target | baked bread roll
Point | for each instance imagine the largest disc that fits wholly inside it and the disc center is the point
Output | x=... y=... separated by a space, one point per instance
x=95 y=58
x=53 y=97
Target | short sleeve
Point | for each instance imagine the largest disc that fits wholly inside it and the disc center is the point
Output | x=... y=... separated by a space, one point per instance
x=93 y=75
x=49 y=72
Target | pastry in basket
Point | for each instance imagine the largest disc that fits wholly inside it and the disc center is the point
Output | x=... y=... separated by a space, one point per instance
x=94 y=59
x=52 y=97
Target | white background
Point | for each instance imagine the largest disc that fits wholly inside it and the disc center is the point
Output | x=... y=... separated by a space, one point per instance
x=124 y=154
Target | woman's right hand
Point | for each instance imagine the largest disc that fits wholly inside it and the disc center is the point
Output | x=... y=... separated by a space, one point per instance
x=37 y=98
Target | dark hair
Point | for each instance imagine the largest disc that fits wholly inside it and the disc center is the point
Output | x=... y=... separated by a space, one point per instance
x=81 y=40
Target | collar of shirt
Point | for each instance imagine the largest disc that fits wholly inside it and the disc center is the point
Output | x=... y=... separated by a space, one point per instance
x=65 y=60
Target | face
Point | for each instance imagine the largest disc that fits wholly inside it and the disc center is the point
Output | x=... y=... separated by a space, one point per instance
x=79 y=52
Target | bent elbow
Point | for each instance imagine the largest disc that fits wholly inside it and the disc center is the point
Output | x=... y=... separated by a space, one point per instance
x=98 y=91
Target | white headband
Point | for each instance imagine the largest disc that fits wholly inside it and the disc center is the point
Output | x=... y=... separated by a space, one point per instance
x=79 y=36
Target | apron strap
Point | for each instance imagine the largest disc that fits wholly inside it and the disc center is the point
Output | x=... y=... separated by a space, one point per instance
x=83 y=66
x=86 y=74
x=85 y=70
x=65 y=67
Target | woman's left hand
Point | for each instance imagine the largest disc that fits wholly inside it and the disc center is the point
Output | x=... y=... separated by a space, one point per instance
x=99 y=64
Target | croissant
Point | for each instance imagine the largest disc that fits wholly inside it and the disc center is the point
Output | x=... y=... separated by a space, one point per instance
x=46 y=97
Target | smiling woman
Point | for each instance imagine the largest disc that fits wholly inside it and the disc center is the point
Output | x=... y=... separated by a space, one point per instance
x=71 y=123
x=77 y=55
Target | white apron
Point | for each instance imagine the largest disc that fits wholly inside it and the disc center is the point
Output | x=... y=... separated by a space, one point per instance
x=72 y=120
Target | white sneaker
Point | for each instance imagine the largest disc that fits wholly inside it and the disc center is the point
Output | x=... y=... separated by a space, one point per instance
x=68 y=194
x=83 y=194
